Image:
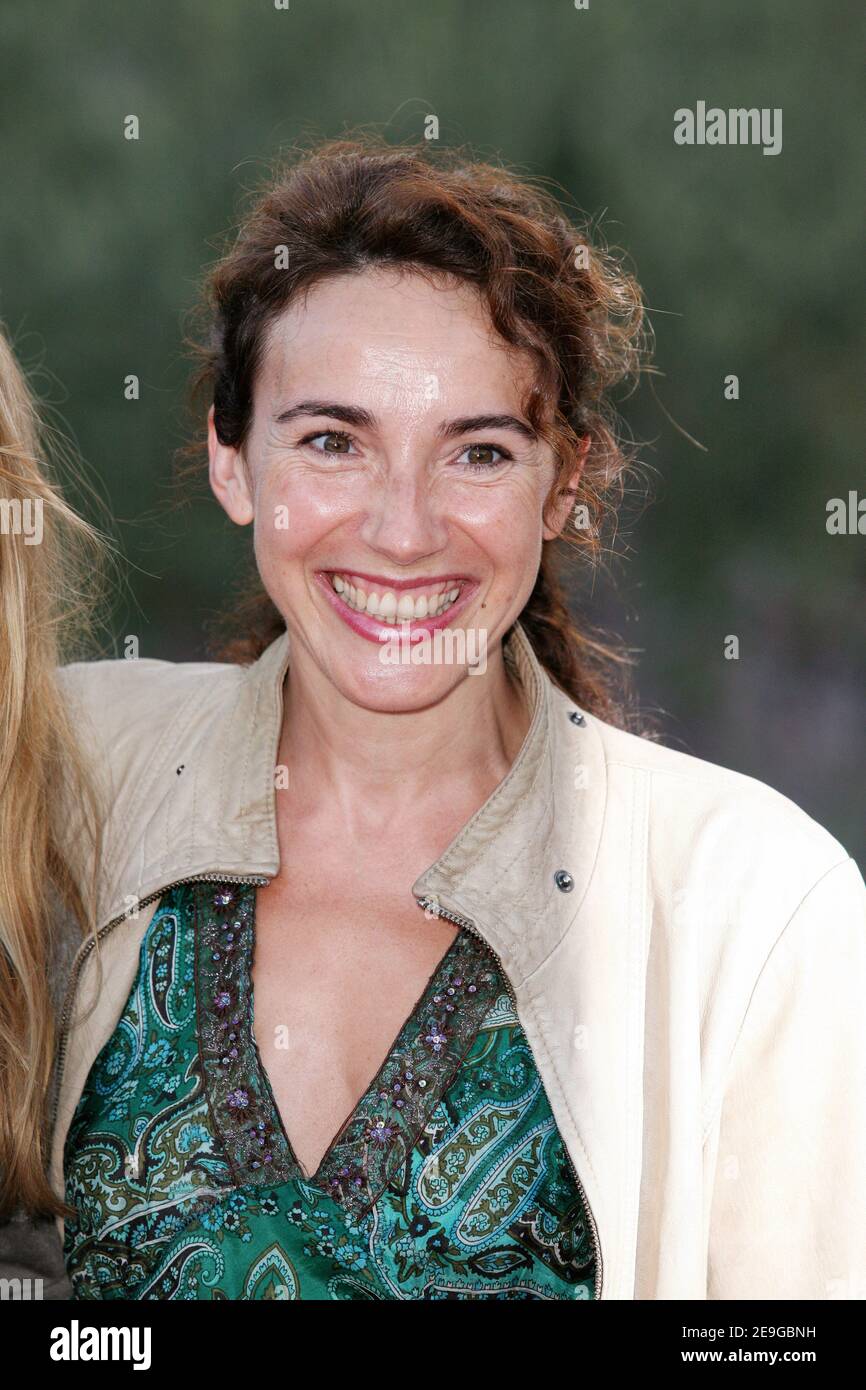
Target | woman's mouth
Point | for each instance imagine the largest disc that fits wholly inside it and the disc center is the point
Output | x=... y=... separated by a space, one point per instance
x=375 y=608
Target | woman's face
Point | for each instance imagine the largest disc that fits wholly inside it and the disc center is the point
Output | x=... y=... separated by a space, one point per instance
x=395 y=484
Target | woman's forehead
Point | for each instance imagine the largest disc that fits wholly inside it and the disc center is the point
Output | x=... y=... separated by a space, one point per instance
x=394 y=336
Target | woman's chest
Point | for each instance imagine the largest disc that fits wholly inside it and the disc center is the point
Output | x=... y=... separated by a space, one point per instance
x=335 y=978
x=447 y=1179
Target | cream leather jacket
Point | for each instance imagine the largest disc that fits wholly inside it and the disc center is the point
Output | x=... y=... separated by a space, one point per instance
x=687 y=950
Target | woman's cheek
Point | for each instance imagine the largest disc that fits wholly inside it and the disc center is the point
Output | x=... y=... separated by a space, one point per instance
x=290 y=522
x=294 y=512
x=278 y=544
x=505 y=522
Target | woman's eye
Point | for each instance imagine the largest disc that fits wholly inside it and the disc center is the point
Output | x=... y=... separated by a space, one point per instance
x=333 y=442
x=478 y=457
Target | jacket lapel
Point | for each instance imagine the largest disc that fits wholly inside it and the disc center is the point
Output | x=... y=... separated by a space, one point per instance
x=520 y=867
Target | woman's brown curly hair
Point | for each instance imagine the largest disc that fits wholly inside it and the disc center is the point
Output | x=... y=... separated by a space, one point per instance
x=348 y=204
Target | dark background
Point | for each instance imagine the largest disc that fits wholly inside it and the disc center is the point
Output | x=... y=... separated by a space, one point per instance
x=751 y=265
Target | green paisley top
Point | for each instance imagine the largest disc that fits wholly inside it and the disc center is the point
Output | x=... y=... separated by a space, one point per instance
x=449 y=1179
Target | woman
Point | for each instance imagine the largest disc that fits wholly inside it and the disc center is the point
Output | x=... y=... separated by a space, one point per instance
x=49 y=558
x=542 y=1009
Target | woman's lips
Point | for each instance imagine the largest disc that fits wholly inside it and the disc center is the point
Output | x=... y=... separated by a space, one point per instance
x=375 y=630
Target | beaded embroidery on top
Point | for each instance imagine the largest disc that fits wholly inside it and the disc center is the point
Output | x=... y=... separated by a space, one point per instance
x=380 y=1133
x=485 y=1204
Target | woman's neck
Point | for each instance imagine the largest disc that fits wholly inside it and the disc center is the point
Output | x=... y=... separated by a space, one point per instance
x=364 y=769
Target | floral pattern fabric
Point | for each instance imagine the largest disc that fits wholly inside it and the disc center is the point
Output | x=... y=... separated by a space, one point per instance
x=448 y=1180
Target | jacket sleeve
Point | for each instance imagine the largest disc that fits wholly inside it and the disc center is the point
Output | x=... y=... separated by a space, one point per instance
x=788 y=1208
x=31 y=1259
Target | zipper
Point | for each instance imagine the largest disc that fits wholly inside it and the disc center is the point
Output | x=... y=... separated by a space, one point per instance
x=431 y=905
x=88 y=945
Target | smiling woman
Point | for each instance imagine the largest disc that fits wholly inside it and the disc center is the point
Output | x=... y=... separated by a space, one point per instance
x=492 y=331
x=401 y=467
x=446 y=988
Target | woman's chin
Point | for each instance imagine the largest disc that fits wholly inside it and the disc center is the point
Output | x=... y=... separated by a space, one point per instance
x=388 y=687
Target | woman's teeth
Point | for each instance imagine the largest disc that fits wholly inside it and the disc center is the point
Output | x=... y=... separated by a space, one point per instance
x=388 y=608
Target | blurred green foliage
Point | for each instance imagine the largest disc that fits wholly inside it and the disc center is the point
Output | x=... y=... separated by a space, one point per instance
x=751 y=265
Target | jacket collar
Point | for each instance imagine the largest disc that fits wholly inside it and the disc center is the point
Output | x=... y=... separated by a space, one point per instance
x=543 y=822
x=206 y=805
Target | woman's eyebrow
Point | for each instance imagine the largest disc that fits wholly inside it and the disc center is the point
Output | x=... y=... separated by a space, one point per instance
x=471 y=424
x=449 y=429
x=349 y=414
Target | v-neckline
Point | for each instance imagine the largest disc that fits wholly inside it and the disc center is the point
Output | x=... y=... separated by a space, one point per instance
x=384 y=1124
x=315 y=1178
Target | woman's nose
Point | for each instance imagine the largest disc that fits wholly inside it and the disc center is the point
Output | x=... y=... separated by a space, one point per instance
x=404 y=521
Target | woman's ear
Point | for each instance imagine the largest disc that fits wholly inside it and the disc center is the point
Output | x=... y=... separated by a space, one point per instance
x=228 y=477
x=563 y=505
